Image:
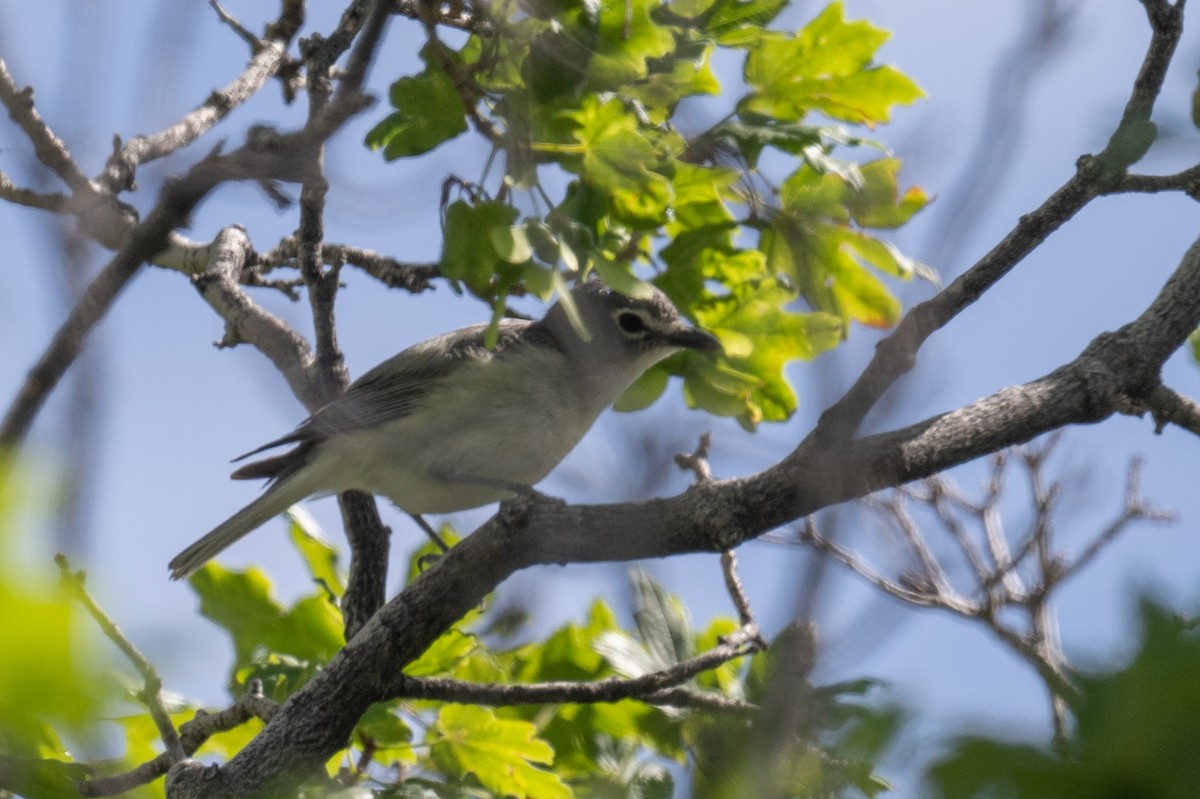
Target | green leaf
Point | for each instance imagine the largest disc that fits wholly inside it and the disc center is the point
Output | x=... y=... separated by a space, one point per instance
x=429 y=111
x=729 y=16
x=825 y=68
x=757 y=381
x=51 y=677
x=320 y=556
x=621 y=277
x=42 y=778
x=617 y=158
x=470 y=254
x=662 y=620
x=879 y=203
x=511 y=243
x=625 y=37
x=500 y=753
x=443 y=655
x=644 y=391
x=242 y=603
x=685 y=73
x=699 y=196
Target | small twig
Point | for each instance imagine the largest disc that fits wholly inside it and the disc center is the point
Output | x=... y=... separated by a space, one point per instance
x=1135 y=509
x=119 y=171
x=1186 y=181
x=733 y=584
x=192 y=735
x=932 y=570
x=233 y=22
x=739 y=644
x=151 y=693
x=1170 y=407
x=810 y=535
x=9 y=191
x=412 y=277
x=698 y=461
x=50 y=149
x=940 y=494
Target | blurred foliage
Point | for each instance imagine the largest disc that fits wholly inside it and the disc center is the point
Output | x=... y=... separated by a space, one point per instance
x=1135 y=732
x=52 y=687
x=581 y=102
x=616 y=749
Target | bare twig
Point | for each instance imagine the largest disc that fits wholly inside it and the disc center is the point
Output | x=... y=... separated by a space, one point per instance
x=236 y=26
x=151 y=693
x=118 y=174
x=809 y=534
x=50 y=149
x=1135 y=509
x=1186 y=181
x=644 y=687
x=697 y=461
x=32 y=199
x=737 y=592
x=412 y=277
x=1170 y=407
x=192 y=735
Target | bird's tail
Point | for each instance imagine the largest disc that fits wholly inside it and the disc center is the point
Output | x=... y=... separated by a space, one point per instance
x=275 y=500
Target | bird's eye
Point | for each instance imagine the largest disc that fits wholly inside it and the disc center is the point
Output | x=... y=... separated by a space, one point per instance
x=631 y=322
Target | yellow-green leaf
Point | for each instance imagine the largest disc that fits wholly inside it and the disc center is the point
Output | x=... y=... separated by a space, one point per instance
x=500 y=753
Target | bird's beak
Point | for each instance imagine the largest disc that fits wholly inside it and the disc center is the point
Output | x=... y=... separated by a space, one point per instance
x=693 y=338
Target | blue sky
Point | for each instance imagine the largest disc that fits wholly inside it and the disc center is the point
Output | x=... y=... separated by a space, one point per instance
x=173 y=408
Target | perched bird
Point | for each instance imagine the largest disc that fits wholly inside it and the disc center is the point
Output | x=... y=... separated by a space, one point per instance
x=449 y=424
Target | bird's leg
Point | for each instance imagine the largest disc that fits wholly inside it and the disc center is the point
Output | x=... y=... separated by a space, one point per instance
x=426 y=560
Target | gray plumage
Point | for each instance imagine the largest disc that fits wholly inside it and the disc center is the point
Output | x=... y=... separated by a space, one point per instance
x=449 y=424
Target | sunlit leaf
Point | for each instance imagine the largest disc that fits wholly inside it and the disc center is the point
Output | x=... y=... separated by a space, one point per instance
x=429 y=111
x=500 y=753
x=826 y=68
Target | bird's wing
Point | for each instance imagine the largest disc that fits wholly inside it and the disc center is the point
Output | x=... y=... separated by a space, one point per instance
x=392 y=389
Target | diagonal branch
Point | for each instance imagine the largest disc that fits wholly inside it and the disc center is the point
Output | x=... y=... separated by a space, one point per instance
x=741 y=643
x=713 y=516
x=50 y=149
x=192 y=735
x=118 y=173
x=1094 y=176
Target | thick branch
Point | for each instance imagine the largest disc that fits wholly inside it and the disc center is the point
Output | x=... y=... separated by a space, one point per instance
x=714 y=516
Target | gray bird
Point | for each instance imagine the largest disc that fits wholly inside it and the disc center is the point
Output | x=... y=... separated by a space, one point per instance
x=449 y=424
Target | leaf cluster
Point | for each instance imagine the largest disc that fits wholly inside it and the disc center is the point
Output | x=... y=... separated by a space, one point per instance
x=590 y=105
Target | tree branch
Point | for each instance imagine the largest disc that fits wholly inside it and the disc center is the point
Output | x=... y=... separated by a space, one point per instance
x=741 y=643
x=50 y=149
x=151 y=693
x=118 y=174
x=1094 y=176
x=317 y=721
x=192 y=735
